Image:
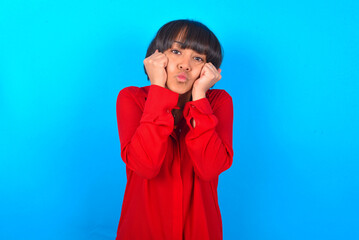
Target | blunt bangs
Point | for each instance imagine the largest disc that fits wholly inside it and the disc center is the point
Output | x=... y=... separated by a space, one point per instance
x=194 y=35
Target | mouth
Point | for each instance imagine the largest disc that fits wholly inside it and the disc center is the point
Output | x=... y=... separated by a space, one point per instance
x=182 y=77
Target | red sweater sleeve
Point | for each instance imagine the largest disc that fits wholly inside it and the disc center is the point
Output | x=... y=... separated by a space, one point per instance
x=209 y=143
x=144 y=132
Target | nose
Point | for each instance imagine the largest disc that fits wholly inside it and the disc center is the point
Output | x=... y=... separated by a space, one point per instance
x=184 y=65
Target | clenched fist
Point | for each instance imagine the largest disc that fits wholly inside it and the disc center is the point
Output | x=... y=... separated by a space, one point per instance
x=208 y=77
x=156 y=68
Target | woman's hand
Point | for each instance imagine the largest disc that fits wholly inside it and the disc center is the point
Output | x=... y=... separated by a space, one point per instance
x=208 y=77
x=156 y=68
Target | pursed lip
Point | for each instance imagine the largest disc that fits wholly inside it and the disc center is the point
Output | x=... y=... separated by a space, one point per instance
x=182 y=76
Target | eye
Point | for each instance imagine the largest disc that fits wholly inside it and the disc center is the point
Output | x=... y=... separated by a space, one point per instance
x=198 y=59
x=175 y=51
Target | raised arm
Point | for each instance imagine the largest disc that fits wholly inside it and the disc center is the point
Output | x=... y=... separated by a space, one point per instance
x=209 y=140
x=144 y=133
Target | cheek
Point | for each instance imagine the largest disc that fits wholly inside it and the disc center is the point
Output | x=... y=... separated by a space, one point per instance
x=171 y=67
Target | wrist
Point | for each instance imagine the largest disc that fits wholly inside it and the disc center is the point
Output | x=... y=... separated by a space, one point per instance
x=159 y=84
x=198 y=94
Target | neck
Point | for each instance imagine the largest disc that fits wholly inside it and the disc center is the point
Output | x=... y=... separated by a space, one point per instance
x=184 y=98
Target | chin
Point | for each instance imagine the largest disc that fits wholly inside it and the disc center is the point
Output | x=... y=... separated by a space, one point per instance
x=179 y=91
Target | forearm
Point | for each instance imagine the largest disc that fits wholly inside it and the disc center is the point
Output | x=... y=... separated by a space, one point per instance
x=209 y=153
x=209 y=140
x=144 y=133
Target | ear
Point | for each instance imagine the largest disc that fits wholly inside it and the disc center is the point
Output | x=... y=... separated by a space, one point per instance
x=219 y=70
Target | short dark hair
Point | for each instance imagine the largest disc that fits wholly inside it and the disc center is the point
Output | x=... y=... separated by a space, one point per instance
x=193 y=34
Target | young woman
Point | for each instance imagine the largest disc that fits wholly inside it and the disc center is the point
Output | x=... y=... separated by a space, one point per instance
x=176 y=138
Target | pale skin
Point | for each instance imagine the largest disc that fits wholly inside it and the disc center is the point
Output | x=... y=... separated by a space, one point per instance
x=183 y=71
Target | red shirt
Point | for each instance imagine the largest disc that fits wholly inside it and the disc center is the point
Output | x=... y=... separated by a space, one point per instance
x=172 y=172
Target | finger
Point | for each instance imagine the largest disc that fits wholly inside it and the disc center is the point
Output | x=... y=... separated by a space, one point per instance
x=158 y=56
x=211 y=65
x=217 y=69
x=204 y=69
x=213 y=68
x=161 y=58
x=216 y=72
x=155 y=53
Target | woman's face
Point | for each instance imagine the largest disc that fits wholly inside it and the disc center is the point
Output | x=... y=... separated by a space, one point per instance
x=183 y=68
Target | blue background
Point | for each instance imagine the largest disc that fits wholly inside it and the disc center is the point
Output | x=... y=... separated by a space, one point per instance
x=290 y=66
